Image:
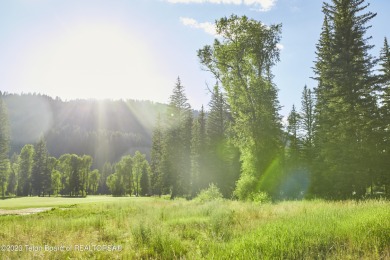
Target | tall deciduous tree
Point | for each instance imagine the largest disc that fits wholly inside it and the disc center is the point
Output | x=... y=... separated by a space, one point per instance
x=346 y=108
x=13 y=175
x=124 y=180
x=242 y=61
x=107 y=170
x=25 y=167
x=93 y=181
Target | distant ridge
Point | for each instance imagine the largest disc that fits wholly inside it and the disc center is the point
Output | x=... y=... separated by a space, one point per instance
x=104 y=129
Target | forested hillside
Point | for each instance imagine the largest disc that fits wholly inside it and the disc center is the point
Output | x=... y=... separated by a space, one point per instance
x=105 y=129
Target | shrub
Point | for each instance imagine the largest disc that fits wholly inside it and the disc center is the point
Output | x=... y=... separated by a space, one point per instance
x=259 y=197
x=209 y=194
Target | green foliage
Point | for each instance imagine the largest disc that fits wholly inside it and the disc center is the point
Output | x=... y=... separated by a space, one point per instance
x=4 y=146
x=212 y=193
x=107 y=170
x=105 y=129
x=148 y=228
x=40 y=173
x=131 y=176
x=346 y=111
x=56 y=182
x=242 y=62
x=93 y=181
x=175 y=162
x=25 y=167
x=221 y=164
x=140 y=169
x=156 y=157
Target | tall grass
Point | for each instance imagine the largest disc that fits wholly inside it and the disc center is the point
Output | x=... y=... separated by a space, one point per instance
x=161 y=229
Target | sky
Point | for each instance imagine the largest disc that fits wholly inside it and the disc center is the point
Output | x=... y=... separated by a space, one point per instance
x=136 y=49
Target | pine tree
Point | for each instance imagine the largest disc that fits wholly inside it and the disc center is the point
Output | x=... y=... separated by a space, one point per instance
x=195 y=157
x=346 y=107
x=307 y=124
x=294 y=142
x=40 y=173
x=222 y=166
x=176 y=166
x=156 y=159
x=382 y=179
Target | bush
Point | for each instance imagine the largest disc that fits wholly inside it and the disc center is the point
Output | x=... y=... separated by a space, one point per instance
x=209 y=194
x=260 y=197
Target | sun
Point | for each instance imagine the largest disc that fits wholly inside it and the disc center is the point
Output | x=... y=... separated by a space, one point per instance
x=93 y=61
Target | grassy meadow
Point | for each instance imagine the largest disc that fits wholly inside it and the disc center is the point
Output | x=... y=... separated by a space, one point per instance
x=152 y=228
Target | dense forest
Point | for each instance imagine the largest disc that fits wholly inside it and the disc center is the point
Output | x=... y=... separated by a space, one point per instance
x=103 y=129
x=335 y=145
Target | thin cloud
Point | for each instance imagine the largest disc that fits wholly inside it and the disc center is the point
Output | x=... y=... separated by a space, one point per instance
x=206 y=26
x=261 y=5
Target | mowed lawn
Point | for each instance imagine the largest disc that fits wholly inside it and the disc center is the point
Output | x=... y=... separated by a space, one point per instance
x=150 y=228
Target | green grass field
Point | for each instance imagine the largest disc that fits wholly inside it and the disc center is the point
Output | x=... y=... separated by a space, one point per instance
x=150 y=228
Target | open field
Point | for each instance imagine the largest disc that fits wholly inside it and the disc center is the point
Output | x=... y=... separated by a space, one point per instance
x=30 y=202
x=135 y=228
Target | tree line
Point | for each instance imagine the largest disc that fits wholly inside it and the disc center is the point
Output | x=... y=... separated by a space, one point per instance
x=93 y=127
x=336 y=146
x=34 y=172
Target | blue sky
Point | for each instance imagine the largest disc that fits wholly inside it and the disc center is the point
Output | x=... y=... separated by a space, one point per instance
x=136 y=49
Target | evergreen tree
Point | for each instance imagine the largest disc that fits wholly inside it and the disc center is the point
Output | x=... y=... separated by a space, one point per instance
x=176 y=165
x=156 y=159
x=307 y=124
x=199 y=170
x=4 y=146
x=294 y=142
x=40 y=173
x=195 y=157
x=222 y=158
x=242 y=62
x=382 y=179
x=25 y=167
x=346 y=108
